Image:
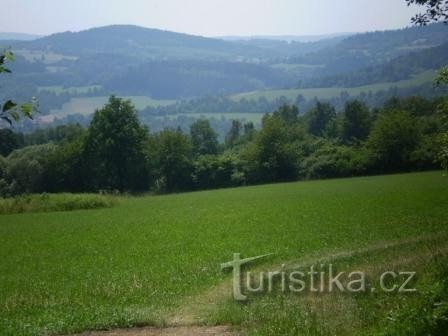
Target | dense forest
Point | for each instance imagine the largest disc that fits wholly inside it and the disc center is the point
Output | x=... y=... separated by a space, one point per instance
x=118 y=153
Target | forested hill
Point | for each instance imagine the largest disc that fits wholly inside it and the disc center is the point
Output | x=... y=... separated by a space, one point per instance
x=137 y=61
x=160 y=44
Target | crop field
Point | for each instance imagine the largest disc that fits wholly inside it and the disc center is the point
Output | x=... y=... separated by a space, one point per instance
x=70 y=90
x=88 y=105
x=253 y=117
x=326 y=93
x=155 y=260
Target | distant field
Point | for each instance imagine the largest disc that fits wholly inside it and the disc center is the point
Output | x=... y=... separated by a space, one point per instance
x=46 y=57
x=88 y=105
x=325 y=93
x=253 y=117
x=156 y=259
x=71 y=90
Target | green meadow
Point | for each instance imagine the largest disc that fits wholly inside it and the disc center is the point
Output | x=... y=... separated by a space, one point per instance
x=152 y=260
x=88 y=105
x=253 y=117
x=326 y=93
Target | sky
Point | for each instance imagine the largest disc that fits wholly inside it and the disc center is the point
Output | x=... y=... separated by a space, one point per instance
x=208 y=17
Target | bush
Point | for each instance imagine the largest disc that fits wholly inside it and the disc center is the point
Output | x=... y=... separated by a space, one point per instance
x=331 y=161
x=54 y=202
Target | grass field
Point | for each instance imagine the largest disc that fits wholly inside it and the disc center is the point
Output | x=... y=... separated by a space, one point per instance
x=154 y=260
x=326 y=93
x=70 y=90
x=88 y=105
x=253 y=117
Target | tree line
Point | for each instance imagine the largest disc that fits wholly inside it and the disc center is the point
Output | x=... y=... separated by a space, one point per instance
x=118 y=153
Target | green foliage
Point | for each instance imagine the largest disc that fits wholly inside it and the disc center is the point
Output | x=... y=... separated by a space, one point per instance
x=442 y=77
x=117 y=153
x=442 y=155
x=287 y=113
x=65 y=168
x=329 y=160
x=203 y=138
x=26 y=169
x=218 y=171
x=436 y=10
x=54 y=202
x=174 y=155
x=114 y=145
x=8 y=141
x=395 y=135
x=272 y=156
x=234 y=134
x=320 y=118
x=10 y=111
x=356 y=122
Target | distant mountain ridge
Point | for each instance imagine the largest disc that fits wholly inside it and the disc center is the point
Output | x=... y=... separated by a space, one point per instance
x=10 y=36
x=287 y=38
x=131 y=60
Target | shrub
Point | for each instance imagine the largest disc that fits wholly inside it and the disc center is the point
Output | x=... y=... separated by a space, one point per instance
x=55 y=202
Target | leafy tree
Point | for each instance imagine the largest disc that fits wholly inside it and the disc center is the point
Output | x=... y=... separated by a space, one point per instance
x=272 y=154
x=249 y=132
x=442 y=155
x=319 y=118
x=436 y=10
x=114 y=148
x=8 y=141
x=329 y=160
x=64 y=169
x=174 y=160
x=10 y=111
x=204 y=139
x=442 y=77
x=394 y=137
x=26 y=168
x=355 y=122
x=288 y=113
x=217 y=171
x=234 y=134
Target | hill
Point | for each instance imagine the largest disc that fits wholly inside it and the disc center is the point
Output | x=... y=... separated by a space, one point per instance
x=136 y=61
x=8 y=36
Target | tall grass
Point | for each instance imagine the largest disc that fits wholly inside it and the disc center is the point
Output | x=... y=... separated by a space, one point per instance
x=54 y=202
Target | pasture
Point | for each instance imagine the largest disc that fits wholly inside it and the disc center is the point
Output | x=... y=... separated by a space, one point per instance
x=88 y=105
x=155 y=260
x=326 y=93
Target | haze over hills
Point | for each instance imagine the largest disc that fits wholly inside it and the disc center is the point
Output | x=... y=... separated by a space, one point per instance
x=287 y=38
x=134 y=61
x=10 y=36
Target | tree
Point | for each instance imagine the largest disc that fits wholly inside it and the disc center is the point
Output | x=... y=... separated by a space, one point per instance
x=394 y=136
x=436 y=10
x=114 y=148
x=272 y=155
x=10 y=111
x=204 y=139
x=355 y=122
x=234 y=134
x=8 y=141
x=442 y=77
x=174 y=160
x=319 y=118
x=63 y=172
x=288 y=113
x=26 y=168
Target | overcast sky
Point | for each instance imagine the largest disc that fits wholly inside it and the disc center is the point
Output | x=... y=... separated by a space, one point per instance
x=207 y=17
